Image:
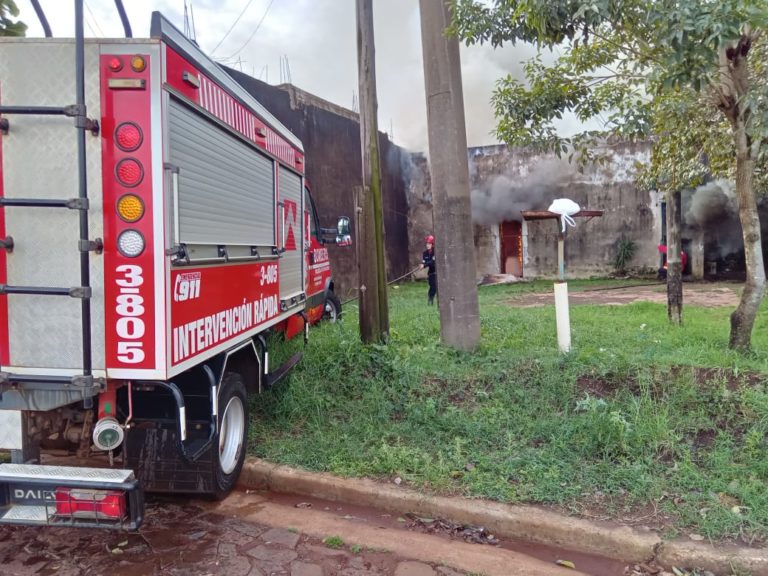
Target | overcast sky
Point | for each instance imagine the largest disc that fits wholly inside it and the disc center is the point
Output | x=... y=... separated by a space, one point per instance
x=318 y=39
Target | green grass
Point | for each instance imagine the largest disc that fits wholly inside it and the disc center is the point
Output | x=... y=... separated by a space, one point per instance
x=629 y=424
x=334 y=542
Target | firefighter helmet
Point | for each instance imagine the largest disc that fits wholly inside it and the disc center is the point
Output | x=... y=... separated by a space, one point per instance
x=429 y=239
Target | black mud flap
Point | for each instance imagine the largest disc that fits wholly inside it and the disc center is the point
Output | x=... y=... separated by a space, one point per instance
x=153 y=451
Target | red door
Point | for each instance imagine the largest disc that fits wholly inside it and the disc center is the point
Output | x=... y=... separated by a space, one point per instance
x=511 y=248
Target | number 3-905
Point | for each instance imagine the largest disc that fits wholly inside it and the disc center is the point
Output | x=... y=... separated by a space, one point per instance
x=130 y=311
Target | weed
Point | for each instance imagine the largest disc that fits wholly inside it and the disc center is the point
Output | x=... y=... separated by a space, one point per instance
x=334 y=542
x=355 y=549
x=625 y=251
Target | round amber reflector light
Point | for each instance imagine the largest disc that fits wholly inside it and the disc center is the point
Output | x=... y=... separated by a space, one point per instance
x=130 y=207
x=129 y=172
x=138 y=63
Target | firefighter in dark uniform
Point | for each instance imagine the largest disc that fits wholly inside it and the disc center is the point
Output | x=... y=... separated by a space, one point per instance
x=428 y=262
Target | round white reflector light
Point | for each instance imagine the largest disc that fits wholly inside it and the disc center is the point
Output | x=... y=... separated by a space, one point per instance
x=130 y=243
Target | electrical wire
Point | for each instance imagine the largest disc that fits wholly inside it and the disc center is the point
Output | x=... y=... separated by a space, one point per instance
x=233 y=26
x=95 y=21
x=253 y=33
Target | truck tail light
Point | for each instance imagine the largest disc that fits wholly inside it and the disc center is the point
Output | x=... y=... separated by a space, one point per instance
x=138 y=63
x=128 y=136
x=96 y=504
x=129 y=172
x=115 y=64
x=130 y=208
x=130 y=243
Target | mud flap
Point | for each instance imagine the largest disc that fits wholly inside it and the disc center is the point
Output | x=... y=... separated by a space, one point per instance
x=153 y=452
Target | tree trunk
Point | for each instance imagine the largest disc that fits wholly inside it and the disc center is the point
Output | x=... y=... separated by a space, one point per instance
x=733 y=90
x=374 y=311
x=743 y=318
x=454 y=248
x=674 y=263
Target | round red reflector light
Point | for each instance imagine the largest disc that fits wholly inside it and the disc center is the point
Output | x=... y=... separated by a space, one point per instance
x=115 y=64
x=128 y=136
x=129 y=172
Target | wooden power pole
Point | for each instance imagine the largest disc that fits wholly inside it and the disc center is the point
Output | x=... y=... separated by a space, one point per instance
x=454 y=245
x=674 y=262
x=374 y=312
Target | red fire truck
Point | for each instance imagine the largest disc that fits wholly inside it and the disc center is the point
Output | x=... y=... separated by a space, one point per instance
x=144 y=256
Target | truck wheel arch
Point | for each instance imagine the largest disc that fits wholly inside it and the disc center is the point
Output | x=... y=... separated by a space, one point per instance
x=245 y=360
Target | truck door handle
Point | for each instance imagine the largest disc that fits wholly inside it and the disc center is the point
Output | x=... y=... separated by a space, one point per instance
x=175 y=170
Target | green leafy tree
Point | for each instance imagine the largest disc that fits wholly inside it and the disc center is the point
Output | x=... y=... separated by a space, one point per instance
x=8 y=27
x=690 y=73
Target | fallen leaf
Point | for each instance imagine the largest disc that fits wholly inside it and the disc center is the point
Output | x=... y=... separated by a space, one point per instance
x=566 y=563
x=303 y=505
x=696 y=537
x=123 y=543
x=398 y=480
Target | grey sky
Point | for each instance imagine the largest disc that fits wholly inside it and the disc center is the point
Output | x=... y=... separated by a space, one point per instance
x=318 y=39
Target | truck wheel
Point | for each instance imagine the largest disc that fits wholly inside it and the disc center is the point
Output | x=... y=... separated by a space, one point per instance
x=232 y=438
x=332 y=310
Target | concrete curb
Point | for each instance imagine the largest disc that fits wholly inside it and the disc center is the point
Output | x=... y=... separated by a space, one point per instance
x=519 y=522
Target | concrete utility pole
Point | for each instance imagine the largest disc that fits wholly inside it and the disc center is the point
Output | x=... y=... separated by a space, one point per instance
x=454 y=246
x=374 y=311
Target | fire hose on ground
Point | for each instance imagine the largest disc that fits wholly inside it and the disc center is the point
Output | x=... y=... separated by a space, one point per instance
x=388 y=284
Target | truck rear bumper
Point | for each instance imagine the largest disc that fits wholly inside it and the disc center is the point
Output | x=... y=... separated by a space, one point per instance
x=70 y=496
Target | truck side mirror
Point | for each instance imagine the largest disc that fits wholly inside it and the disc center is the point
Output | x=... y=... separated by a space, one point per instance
x=343 y=237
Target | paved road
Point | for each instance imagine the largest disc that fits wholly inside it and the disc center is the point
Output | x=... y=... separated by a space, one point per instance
x=261 y=534
x=192 y=539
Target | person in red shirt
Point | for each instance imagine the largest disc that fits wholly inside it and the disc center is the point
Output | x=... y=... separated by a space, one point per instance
x=663 y=269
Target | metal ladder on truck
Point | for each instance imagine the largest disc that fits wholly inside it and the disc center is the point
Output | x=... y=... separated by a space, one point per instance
x=84 y=382
x=33 y=493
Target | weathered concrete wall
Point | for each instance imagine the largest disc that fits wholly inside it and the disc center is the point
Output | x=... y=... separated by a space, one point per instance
x=590 y=246
x=505 y=181
x=419 y=194
x=331 y=138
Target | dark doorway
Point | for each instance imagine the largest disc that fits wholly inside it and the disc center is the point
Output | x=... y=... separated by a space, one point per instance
x=511 y=248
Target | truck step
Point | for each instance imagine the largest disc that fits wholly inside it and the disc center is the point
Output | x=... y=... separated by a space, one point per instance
x=274 y=377
x=9 y=472
x=70 y=496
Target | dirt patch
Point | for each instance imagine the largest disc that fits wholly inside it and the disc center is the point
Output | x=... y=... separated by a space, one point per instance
x=596 y=386
x=699 y=294
x=733 y=380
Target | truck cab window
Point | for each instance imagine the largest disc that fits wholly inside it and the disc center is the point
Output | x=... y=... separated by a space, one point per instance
x=309 y=205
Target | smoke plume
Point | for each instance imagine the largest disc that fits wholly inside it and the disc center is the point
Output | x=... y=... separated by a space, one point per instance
x=712 y=209
x=502 y=198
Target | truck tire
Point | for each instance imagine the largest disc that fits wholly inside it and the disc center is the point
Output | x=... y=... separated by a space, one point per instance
x=232 y=437
x=332 y=311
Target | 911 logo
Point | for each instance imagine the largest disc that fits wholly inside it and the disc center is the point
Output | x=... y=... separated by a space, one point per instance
x=187 y=287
